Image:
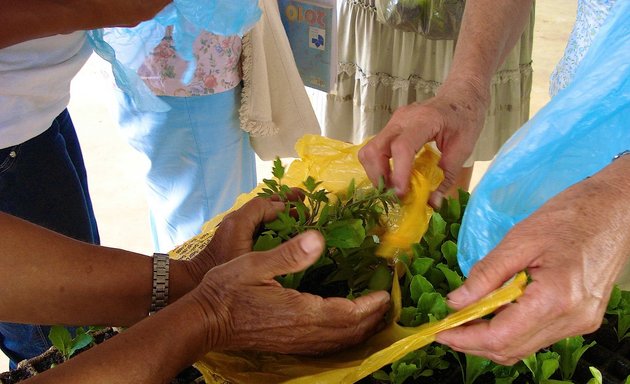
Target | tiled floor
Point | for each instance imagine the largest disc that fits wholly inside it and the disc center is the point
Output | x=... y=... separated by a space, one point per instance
x=115 y=183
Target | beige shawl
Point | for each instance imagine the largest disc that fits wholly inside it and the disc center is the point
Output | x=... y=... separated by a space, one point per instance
x=275 y=108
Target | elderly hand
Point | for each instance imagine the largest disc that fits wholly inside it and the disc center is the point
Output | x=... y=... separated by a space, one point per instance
x=250 y=310
x=573 y=247
x=453 y=119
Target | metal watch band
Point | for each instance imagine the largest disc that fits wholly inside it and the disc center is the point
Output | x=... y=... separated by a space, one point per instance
x=159 y=295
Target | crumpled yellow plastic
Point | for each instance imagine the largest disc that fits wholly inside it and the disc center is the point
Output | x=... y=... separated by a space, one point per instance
x=335 y=164
x=354 y=364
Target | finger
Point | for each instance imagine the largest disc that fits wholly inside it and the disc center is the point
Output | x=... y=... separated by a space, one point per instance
x=403 y=155
x=375 y=158
x=295 y=194
x=350 y=322
x=488 y=274
x=292 y=256
x=451 y=163
x=250 y=215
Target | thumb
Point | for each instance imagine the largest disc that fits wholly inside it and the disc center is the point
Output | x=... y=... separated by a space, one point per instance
x=487 y=275
x=295 y=255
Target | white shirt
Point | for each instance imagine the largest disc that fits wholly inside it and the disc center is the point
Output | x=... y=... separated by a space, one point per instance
x=35 y=81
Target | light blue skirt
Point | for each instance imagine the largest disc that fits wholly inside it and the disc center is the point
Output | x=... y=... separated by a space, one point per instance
x=199 y=161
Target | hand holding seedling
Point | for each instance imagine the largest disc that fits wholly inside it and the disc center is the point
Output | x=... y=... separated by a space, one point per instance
x=249 y=309
x=234 y=236
x=573 y=248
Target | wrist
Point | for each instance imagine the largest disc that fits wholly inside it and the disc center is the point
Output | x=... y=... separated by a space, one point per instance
x=471 y=90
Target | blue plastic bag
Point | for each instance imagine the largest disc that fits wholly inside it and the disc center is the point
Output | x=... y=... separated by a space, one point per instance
x=573 y=137
x=188 y=18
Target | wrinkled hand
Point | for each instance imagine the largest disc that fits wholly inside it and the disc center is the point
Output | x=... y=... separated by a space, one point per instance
x=248 y=310
x=235 y=235
x=452 y=119
x=573 y=247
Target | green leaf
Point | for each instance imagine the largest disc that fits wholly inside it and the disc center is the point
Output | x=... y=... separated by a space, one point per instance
x=453 y=278
x=381 y=375
x=623 y=326
x=597 y=376
x=436 y=233
x=266 y=242
x=449 y=251
x=420 y=285
x=454 y=230
x=420 y=266
x=475 y=367
x=615 y=299
x=323 y=215
x=381 y=279
x=310 y=184
x=409 y=317
x=351 y=189
x=61 y=339
x=504 y=374
x=345 y=233
x=302 y=212
x=434 y=304
x=453 y=212
x=81 y=341
x=570 y=351
x=550 y=364
x=464 y=196
x=403 y=372
x=278 y=169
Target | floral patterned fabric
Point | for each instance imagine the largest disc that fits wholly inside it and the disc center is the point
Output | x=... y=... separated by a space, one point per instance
x=218 y=66
x=591 y=14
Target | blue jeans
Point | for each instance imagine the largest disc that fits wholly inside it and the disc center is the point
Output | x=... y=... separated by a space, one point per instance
x=44 y=181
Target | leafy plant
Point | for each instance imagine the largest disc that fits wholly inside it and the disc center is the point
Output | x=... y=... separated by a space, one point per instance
x=597 y=376
x=542 y=366
x=619 y=305
x=570 y=351
x=62 y=339
x=350 y=223
x=475 y=366
x=421 y=363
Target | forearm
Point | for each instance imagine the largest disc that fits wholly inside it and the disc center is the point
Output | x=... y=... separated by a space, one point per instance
x=489 y=30
x=22 y=20
x=48 y=278
x=152 y=351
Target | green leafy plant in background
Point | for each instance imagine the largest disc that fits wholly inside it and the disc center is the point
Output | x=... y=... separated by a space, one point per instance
x=66 y=344
x=619 y=305
x=570 y=351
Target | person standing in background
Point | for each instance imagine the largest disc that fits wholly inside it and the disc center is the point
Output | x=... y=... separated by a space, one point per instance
x=199 y=159
x=383 y=69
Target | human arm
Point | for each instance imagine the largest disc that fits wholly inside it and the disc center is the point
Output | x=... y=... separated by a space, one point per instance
x=48 y=278
x=573 y=247
x=455 y=116
x=22 y=20
x=238 y=305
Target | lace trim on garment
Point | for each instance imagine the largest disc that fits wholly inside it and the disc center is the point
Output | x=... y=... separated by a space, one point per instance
x=253 y=127
x=363 y=4
x=418 y=83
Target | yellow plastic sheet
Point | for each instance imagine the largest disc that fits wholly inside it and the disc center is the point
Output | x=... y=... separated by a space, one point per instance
x=336 y=164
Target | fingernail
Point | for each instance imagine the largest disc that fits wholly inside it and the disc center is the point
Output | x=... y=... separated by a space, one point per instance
x=458 y=296
x=310 y=243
